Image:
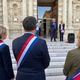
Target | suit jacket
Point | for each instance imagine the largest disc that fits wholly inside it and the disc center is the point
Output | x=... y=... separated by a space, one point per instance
x=72 y=62
x=37 y=60
x=61 y=28
x=53 y=26
x=6 y=71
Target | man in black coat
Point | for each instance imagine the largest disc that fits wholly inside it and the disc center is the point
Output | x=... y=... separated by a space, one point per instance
x=61 y=30
x=36 y=59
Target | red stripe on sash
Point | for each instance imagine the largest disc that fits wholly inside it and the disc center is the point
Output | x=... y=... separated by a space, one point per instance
x=24 y=46
x=1 y=41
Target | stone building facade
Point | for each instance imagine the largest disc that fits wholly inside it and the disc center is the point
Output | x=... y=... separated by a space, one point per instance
x=69 y=12
x=12 y=13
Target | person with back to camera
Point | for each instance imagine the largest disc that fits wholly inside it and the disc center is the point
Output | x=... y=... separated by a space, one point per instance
x=6 y=71
x=72 y=63
x=31 y=53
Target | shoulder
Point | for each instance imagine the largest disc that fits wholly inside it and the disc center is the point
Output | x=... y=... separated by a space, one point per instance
x=41 y=41
x=4 y=48
x=16 y=40
x=72 y=52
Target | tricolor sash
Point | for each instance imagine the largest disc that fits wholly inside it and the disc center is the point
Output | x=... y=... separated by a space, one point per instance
x=1 y=44
x=26 y=49
x=75 y=76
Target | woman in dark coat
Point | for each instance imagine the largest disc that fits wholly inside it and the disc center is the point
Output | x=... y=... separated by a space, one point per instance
x=6 y=71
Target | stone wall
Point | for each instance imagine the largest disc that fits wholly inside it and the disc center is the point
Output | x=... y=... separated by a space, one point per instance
x=1 y=13
x=12 y=12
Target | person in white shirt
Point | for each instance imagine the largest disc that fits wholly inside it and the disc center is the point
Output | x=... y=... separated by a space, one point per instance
x=61 y=30
x=37 y=28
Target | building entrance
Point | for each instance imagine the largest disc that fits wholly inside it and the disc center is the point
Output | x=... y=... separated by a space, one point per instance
x=47 y=10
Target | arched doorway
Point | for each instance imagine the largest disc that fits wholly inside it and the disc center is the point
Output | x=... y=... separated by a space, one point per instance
x=51 y=12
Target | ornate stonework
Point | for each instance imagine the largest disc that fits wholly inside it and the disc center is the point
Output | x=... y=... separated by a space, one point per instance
x=76 y=15
x=15 y=17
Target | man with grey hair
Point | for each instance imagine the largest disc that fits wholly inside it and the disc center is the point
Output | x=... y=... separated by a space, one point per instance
x=31 y=53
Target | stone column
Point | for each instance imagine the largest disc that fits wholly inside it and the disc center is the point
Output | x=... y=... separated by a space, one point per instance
x=35 y=8
x=24 y=9
x=70 y=16
x=5 y=16
x=30 y=7
x=60 y=10
x=60 y=14
x=65 y=6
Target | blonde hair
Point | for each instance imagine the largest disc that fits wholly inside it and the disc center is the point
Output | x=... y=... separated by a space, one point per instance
x=2 y=32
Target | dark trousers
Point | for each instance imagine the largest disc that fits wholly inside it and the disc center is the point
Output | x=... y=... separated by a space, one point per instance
x=53 y=35
x=61 y=36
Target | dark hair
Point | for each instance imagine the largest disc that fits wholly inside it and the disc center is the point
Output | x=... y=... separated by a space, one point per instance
x=29 y=23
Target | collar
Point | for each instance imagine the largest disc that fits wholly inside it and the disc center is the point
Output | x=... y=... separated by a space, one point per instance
x=29 y=33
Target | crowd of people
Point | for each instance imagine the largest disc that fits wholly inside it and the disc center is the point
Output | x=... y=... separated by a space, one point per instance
x=31 y=54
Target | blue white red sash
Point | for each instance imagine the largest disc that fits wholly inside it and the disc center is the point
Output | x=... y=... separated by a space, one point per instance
x=77 y=76
x=26 y=47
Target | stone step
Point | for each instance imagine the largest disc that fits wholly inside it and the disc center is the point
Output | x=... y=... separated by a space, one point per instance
x=54 y=71
x=61 y=46
x=58 y=59
x=56 y=65
x=55 y=78
x=58 y=50
x=58 y=54
x=59 y=43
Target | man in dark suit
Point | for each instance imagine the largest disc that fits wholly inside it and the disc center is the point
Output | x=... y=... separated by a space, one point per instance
x=6 y=71
x=61 y=30
x=31 y=66
x=53 y=30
